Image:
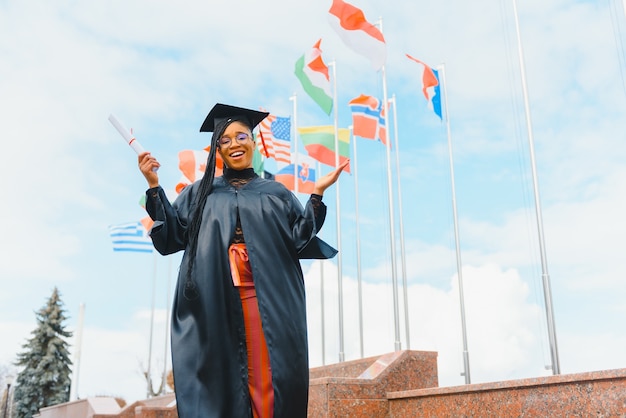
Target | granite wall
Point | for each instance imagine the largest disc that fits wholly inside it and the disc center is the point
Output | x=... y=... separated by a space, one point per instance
x=404 y=384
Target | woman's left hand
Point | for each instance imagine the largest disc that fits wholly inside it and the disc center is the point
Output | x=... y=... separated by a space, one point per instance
x=324 y=182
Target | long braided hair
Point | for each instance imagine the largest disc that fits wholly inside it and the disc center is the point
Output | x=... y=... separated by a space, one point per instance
x=204 y=190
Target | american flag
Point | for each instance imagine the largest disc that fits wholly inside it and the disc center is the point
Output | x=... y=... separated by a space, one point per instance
x=276 y=138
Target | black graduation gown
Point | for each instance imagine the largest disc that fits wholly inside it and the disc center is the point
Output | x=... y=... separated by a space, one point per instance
x=208 y=338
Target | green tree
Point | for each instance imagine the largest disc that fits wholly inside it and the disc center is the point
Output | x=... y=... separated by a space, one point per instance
x=44 y=379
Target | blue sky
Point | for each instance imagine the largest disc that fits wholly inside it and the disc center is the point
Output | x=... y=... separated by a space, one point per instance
x=158 y=66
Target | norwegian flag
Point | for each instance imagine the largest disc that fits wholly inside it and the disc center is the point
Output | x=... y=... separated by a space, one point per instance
x=368 y=118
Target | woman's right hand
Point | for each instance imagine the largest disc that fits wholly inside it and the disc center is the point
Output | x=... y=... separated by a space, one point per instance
x=148 y=166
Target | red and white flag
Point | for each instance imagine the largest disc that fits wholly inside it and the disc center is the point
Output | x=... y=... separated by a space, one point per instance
x=357 y=33
x=192 y=164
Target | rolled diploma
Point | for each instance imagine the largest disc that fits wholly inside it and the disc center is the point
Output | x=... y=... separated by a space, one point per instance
x=130 y=139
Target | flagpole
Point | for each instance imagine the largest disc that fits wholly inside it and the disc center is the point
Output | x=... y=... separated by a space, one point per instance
x=319 y=170
x=402 y=252
x=322 y=312
x=554 y=353
x=77 y=354
x=167 y=323
x=148 y=379
x=337 y=194
x=358 y=239
x=459 y=269
x=394 y=279
x=294 y=99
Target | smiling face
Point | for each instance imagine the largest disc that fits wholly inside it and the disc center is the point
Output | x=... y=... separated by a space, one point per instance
x=237 y=154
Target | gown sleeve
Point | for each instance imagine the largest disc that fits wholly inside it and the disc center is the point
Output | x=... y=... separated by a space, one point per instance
x=319 y=210
x=315 y=213
x=169 y=232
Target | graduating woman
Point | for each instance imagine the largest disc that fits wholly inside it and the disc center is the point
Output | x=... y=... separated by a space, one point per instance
x=239 y=332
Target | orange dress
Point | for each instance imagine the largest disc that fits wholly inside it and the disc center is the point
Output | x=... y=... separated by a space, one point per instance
x=259 y=368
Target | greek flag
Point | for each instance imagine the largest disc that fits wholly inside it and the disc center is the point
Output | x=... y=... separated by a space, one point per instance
x=131 y=236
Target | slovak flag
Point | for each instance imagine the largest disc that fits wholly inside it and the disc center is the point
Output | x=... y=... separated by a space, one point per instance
x=430 y=86
x=357 y=33
x=300 y=174
x=368 y=118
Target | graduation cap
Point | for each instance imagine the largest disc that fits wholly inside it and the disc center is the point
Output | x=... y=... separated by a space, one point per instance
x=222 y=112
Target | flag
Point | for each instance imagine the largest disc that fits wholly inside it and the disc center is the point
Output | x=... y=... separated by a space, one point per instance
x=258 y=163
x=357 y=33
x=382 y=125
x=313 y=74
x=368 y=118
x=131 y=237
x=192 y=164
x=275 y=139
x=365 y=114
x=146 y=221
x=319 y=142
x=430 y=86
x=304 y=174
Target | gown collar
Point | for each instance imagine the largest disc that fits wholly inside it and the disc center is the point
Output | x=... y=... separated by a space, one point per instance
x=239 y=178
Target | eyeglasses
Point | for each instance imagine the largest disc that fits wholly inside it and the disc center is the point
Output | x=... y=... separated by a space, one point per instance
x=242 y=138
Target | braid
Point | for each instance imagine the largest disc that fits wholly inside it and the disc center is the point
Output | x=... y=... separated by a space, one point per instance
x=206 y=186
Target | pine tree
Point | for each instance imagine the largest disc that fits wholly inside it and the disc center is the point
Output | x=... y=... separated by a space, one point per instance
x=45 y=376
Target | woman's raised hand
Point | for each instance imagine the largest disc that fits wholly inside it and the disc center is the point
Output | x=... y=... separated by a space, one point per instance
x=148 y=166
x=324 y=182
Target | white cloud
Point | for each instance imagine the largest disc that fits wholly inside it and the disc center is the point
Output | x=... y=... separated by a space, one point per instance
x=503 y=329
x=112 y=362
